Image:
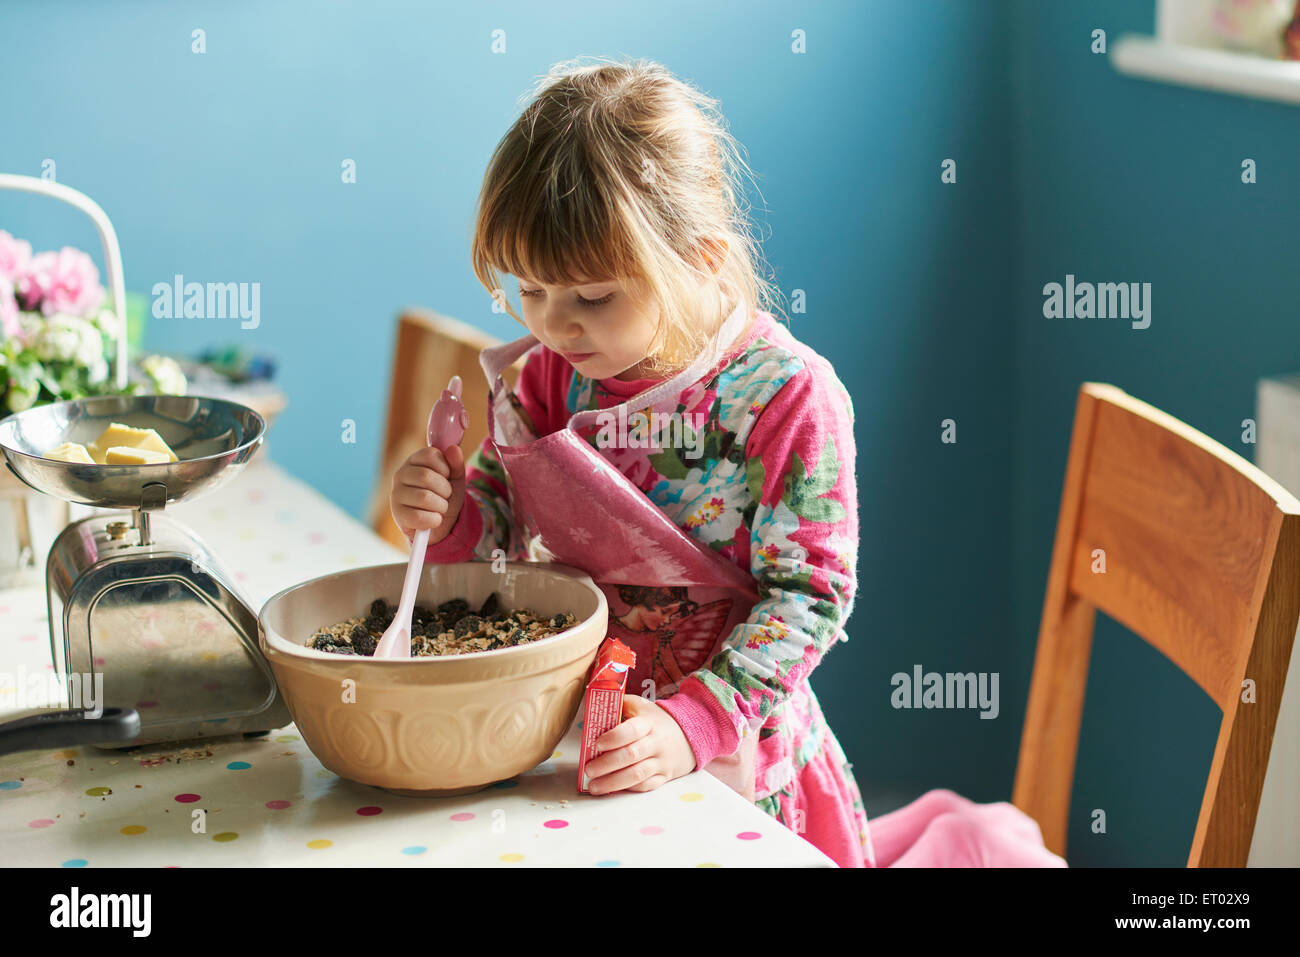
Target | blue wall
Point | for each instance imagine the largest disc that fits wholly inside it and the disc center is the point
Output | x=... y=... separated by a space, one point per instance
x=226 y=167
x=1126 y=180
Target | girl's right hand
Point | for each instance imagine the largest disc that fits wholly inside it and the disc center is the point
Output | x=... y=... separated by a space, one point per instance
x=428 y=492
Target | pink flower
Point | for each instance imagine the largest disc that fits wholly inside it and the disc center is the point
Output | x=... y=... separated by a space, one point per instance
x=15 y=255
x=66 y=281
x=9 y=309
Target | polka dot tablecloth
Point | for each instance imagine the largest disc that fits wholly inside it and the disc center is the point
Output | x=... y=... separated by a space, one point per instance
x=268 y=801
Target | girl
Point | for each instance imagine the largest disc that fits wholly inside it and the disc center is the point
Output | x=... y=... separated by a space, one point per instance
x=717 y=508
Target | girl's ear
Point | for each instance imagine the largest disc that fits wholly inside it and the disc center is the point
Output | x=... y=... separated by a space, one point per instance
x=713 y=251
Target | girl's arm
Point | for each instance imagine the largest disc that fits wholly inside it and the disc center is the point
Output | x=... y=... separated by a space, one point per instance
x=803 y=555
x=485 y=522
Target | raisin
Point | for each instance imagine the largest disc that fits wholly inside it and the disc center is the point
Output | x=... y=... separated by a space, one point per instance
x=467 y=625
x=378 y=608
x=359 y=632
x=558 y=621
x=364 y=645
x=454 y=608
x=417 y=629
x=320 y=641
x=490 y=607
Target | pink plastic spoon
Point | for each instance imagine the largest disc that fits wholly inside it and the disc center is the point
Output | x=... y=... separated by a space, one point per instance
x=447 y=422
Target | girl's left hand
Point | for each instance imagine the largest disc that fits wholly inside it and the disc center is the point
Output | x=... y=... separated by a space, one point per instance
x=644 y=752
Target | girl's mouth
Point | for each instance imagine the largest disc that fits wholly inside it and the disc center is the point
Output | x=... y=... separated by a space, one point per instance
x=576 y=357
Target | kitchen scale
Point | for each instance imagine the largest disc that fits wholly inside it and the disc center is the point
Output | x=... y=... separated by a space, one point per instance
x=136 y=599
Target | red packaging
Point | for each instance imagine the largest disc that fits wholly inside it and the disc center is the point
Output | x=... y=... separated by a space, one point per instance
x=603 y=705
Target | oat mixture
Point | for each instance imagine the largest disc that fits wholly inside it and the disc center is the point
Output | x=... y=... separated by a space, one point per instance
x=450 y=629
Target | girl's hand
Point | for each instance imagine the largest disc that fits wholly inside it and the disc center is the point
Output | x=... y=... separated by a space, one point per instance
x=428 y=491
x=644 y=752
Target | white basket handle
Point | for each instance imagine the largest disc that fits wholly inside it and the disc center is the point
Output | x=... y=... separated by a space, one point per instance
x=112 y=252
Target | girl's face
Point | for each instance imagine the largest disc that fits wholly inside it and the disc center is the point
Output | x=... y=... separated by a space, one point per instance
x=596 y=326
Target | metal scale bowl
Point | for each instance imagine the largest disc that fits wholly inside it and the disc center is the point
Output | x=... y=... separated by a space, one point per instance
x=143 y=603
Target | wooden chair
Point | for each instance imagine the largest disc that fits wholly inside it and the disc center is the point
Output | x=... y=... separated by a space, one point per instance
x=430 y=349
x=1202 y=560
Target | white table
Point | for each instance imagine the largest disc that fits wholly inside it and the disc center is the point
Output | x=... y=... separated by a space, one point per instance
x=269 y=801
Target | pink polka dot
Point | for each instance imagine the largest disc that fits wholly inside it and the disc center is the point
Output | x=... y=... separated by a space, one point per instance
x=255 y=495
x=555 y=823
x=26 y=637
x=40 y=822
x=277 y=805
x=4 y=609
x=315 y=538
x=100 y=661
x=749 y=835
x=242 y=576
x=652 y=829
x=463 y=816
x=369 y=811
x=146 y=704
x=187 y=798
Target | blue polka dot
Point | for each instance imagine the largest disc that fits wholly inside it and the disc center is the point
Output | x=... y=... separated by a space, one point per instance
x=238 y=766
x=284 y=516
x=76 y=862
x=607 y=863
x=414 y=850
x=10 y=785
x=506 y=784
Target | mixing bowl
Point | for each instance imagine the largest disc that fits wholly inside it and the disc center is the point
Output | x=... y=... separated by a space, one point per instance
x=434 y=726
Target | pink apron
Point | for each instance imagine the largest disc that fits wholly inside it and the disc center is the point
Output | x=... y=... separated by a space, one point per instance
x=671 y=599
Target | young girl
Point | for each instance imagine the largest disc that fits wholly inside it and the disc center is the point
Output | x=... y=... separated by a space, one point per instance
x=727 y=540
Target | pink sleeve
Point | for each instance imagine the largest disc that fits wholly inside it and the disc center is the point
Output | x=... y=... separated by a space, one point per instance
x=486 y=522
x=803 y=554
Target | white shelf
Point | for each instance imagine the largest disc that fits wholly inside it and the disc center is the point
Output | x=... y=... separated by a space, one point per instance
x=1226 y=72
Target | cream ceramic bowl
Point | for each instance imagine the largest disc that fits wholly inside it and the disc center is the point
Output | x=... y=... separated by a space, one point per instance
x=434 y=726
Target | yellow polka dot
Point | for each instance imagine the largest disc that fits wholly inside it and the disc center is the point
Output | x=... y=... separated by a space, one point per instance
x=225 y=836
x=218 y=513
x=98 y=792
x=65 y=754
x=708 y=864
x=287 y=737
x=693 y=796
x=277 y=556
x=511 y=858
x=247 y=533
x=556 y=754
x=320 y=845
x=324 y=773
x=209 y=656
x=349 y=559
x=132 y=829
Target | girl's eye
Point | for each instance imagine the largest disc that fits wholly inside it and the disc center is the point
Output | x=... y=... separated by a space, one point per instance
x=591 y=303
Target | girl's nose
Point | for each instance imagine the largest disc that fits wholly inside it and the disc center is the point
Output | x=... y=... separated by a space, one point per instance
x=559 y=325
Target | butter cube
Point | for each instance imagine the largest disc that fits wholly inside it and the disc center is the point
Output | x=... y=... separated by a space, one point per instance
x=126 y=455
x=70 y=452
x=121 y=436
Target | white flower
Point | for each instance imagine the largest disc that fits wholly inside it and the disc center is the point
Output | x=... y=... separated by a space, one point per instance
x=69 y=339
x=107 y=323
x=98 y=370
x=166 y=373
x=21 y=398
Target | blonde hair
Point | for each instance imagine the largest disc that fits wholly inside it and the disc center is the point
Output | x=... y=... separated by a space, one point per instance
x=621 y=171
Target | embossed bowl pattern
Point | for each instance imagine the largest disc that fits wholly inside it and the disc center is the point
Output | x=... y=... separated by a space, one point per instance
x=438 y=725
